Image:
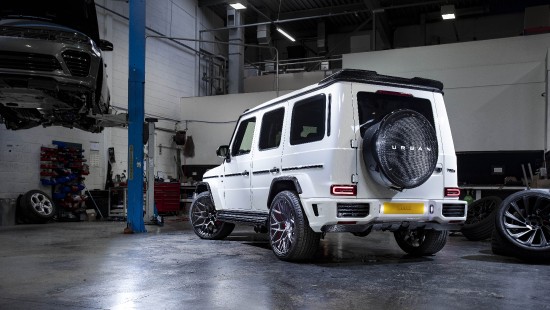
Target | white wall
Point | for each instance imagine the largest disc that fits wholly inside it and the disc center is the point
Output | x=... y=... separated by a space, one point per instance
x=459 y=30
x=288 y=81
x=212 y=120
x=20 y=157
x=492 y=88
x=170 y=74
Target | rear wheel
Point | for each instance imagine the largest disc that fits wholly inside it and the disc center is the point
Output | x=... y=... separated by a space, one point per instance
x=290 y=236
x=202 y=215
x=420 y=242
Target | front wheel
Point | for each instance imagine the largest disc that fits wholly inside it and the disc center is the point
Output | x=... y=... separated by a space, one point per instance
x=290 y=236
x=202 y=215
x=420 y=242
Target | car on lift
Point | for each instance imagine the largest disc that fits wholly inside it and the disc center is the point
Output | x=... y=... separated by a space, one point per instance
x=51 y=65
x=357 y=152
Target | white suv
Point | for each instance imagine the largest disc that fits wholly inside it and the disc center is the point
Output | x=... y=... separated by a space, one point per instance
x=356 y=152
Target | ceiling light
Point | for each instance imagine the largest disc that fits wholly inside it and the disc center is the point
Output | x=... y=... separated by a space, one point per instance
x=286 y=34
x=237 y=5
x=448 y=11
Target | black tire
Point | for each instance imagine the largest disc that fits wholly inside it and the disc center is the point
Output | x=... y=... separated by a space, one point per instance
x=421 y=242
x=37 y=207
x=20 y=214
x=480 y=221
x=290 y=236
x=499 y=246
x=202 y=215
x=523 y=225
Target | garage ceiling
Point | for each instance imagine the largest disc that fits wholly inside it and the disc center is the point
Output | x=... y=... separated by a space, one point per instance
x=344 y=16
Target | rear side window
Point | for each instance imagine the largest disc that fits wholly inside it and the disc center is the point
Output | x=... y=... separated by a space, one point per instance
x=374 y=106
x=272 y=129
x=243 y=138
x=308 y=120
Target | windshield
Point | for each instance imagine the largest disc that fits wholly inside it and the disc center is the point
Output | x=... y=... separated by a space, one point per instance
x=76 y=14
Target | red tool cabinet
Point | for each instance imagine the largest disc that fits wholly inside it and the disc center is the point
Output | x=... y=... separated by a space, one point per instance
x=167 y=197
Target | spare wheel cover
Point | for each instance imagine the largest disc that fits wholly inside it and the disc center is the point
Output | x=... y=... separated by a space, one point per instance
x=404 y=149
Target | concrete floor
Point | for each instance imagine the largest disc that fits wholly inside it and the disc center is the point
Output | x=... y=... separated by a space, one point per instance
x=92 y=265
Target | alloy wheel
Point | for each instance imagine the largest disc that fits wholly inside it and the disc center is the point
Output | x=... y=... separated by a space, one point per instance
x=281 y=226
x=203 y=217
x=41 y=204
x=527 y=221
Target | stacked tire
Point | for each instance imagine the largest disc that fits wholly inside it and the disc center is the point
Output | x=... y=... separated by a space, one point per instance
x=480 y=220
x=35 y=207
x=522 y=226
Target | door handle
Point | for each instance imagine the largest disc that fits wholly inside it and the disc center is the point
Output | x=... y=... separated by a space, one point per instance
x=274 y=170
x=245 y=173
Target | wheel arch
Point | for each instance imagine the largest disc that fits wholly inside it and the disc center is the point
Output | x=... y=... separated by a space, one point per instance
x=281 y=184
x=202 y=187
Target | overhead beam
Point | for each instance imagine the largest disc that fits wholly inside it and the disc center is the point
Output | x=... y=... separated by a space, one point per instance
x=323 y=11
x=207 y=3
x=381 y=23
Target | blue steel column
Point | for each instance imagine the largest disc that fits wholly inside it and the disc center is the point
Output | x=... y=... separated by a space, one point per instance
x=136 y=111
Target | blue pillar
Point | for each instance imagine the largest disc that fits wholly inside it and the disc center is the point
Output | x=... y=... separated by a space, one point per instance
x=136 y=114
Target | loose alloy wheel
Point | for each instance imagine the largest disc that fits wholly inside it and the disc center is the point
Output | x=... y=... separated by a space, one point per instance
x=290 y=236
x=420 y=242
x=37 y=206
x=202 y=215
x=523 y=222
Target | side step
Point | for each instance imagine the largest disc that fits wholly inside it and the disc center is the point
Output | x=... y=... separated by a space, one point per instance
x=244 y=217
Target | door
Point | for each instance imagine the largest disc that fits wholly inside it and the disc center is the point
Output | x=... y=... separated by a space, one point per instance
x=267 y=156
x=238 y=168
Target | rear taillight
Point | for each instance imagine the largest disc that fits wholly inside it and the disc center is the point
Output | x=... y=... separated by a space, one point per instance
x=343 y=190
x=452 y=192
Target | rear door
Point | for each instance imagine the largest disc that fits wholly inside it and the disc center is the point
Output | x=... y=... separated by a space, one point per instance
x=238 y=168
x=373 y=104
x=267 y=155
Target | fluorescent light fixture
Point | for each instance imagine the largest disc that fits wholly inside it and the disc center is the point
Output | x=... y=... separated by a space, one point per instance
x=448 y=11
x=237 y=6
x=286 y=34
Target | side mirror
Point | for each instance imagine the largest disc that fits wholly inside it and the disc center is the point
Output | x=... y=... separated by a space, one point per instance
x=105 y=45
x=223 y=152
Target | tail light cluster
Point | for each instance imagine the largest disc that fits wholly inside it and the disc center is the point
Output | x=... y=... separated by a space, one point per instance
x=343 y=190
x=452 y=192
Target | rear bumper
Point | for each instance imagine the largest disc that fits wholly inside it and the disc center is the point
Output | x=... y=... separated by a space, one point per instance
x=444 y=214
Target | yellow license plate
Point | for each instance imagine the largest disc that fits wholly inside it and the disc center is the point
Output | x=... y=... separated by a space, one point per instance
x=403 y=208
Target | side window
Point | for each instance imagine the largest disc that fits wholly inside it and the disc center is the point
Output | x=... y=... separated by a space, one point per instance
x=243 y=137
x=272 y=129
x=308 y=120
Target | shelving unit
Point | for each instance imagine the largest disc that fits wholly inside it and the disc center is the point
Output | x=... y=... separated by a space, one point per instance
x=63 y=168
x=118 y=202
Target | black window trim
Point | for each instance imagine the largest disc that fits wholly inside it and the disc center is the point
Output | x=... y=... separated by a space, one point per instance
x=239 y=123
x=306 y=99
x=261 y=127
